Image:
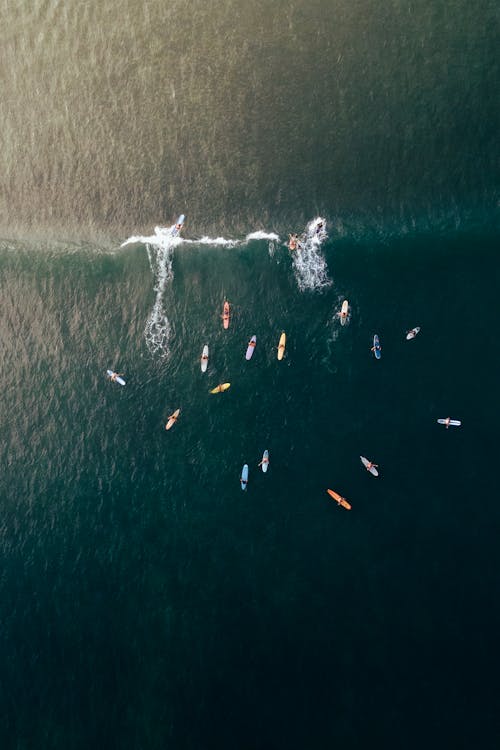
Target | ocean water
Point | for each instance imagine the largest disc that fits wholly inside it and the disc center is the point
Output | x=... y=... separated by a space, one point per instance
x=147 y=602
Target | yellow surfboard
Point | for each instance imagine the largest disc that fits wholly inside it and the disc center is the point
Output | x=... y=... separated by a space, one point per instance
x=340 y=500
x=172 y=419
x=281 y=346
x=221 y=388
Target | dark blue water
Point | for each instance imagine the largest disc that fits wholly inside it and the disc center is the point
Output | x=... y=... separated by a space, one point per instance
x=148 y=601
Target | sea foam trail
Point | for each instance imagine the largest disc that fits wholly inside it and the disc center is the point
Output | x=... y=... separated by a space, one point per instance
x=213 y=241
x=309 y=264
x=160 y=248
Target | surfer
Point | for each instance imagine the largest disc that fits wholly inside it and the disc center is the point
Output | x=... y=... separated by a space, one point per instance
x=447 y=422
x=371 y=465
x=225 y=315
x=264 y=461
x=293 y=242
x=115 y=375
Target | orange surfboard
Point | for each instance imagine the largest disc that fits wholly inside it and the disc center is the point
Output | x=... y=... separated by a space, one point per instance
x=225 y=315
x=340 y=500
x=172 y=419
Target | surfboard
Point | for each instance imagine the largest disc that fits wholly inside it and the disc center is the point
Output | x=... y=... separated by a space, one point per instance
x=225 y=315
x=450 y=422
x=116 y=378
x=204 y=359
x=369 y=465
x=172 y=419
x=265 y=461
x=411 y=334
x=340 y=500
x=244 y=477
x=343 y=312
x=220 y=388
x=377 y=350
x=251 y=346
x=176 y=229
x=281 y=346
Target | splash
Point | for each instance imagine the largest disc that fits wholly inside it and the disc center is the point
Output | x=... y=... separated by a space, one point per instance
x=309 y=264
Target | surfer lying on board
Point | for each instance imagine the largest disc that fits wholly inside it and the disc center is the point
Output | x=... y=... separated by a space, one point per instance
x=371 y=465
x=113 y=377
x=293 y=242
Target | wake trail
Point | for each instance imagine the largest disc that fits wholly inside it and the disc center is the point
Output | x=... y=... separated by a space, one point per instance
x=159 y=246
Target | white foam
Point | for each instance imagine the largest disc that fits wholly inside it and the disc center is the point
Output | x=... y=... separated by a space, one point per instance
x=160 y=248
x=309 y=264
x=161 y=238
x=260 y=235
x=213 y=241
x=158 y=330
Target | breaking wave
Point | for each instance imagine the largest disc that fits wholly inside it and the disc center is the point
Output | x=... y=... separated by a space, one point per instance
x=309 y=266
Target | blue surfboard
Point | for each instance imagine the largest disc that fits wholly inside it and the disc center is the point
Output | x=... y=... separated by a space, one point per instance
x=244 y=477
x=377 y=349
x=178 y=225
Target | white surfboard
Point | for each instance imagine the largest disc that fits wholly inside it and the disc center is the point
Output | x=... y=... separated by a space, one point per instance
x=450 y=422
x=114 y=377
x=250 y=348
x=369 y=465
x=204 y=359
x=343 y=312
x=411 y=334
